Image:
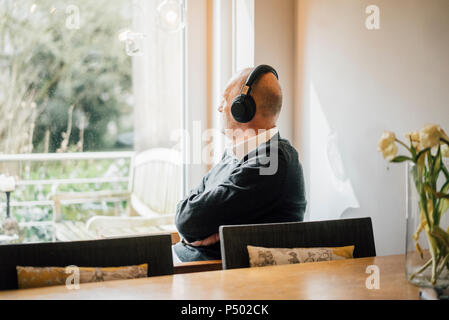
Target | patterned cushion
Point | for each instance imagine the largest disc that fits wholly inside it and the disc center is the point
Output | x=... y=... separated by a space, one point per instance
x=34 y=277
x=260 y=256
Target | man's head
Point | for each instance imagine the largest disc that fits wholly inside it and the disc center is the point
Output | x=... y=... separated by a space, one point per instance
x=267 y=94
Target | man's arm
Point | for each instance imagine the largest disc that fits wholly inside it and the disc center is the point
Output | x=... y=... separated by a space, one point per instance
x=242 y=198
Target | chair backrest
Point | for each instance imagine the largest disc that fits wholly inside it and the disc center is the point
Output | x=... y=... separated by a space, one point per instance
x=332 y=233
x=156 y=179
x=154 y=250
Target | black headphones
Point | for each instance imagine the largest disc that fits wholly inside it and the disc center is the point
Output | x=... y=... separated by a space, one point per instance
x=243 y=107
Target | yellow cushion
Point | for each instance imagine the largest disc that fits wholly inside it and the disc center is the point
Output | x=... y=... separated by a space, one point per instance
x=34 y=277
x=260 y=256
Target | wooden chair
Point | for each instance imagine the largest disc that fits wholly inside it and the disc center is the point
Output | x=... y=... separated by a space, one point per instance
x=332 y=233
x=154 y=250
x=153 y=193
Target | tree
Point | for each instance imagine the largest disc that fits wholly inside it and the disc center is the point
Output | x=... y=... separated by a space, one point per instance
x=46 y=68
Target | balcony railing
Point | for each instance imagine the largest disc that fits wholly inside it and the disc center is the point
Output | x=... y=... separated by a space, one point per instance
x=31 y=174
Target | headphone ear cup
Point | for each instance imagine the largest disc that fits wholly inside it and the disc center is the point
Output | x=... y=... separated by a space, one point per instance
x=243 y=108
x=238 y=109
x=250 y=107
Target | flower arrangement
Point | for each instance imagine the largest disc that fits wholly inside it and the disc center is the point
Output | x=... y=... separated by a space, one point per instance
x=427 y=150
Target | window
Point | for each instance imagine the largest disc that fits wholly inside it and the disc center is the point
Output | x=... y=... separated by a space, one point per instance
x=90 y=92
x=243 y=34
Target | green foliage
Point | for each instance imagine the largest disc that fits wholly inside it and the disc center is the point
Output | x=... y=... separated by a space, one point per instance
x=76 y=212
x=46 y=68
x=57 y=67
x=399 y=159
x=434 y=204
x=430 y=175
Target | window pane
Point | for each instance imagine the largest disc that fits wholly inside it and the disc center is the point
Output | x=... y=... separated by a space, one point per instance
x=87 y=86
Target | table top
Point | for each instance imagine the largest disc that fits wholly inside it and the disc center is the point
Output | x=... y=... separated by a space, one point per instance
x=341 y=279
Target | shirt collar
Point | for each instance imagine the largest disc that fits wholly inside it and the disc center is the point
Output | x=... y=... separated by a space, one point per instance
x=241 y=149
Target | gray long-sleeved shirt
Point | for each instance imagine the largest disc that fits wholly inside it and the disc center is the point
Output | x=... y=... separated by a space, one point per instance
x=265 y=186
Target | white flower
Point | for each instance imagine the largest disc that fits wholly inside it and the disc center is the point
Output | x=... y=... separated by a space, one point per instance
x=413 y=136
x=444 y=135
x=445 y=150
x=391 y=152
x=429 y=136
x=386 y=139
x=387 y=145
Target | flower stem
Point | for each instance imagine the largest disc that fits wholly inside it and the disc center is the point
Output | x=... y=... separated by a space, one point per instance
x=404 y=145
x=443 y=265
x=424 y=267
x=434 y=257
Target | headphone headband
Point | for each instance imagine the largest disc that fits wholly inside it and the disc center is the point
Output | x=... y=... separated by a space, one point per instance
x=255 y=74
x=243 y=107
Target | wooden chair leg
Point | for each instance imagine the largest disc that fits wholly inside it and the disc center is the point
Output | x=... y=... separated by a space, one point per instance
x=175 y=238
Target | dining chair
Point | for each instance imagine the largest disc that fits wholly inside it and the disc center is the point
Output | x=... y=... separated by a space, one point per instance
x=155 y=250
x=310 y=234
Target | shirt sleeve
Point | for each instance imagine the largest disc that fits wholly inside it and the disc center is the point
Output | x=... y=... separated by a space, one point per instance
x=241 y=198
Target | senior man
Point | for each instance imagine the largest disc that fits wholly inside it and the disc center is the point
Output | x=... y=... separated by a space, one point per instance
x=259 y=178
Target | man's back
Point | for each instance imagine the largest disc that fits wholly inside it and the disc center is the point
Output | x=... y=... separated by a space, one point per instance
x=265 y=186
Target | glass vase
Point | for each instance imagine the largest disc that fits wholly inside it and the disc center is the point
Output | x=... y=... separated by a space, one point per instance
x=427 y=253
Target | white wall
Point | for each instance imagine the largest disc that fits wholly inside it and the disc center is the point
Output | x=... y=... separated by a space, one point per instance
x=274 y=45
x=395 y=78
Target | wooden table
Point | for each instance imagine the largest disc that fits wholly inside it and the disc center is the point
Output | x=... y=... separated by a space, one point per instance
x=344 y=279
